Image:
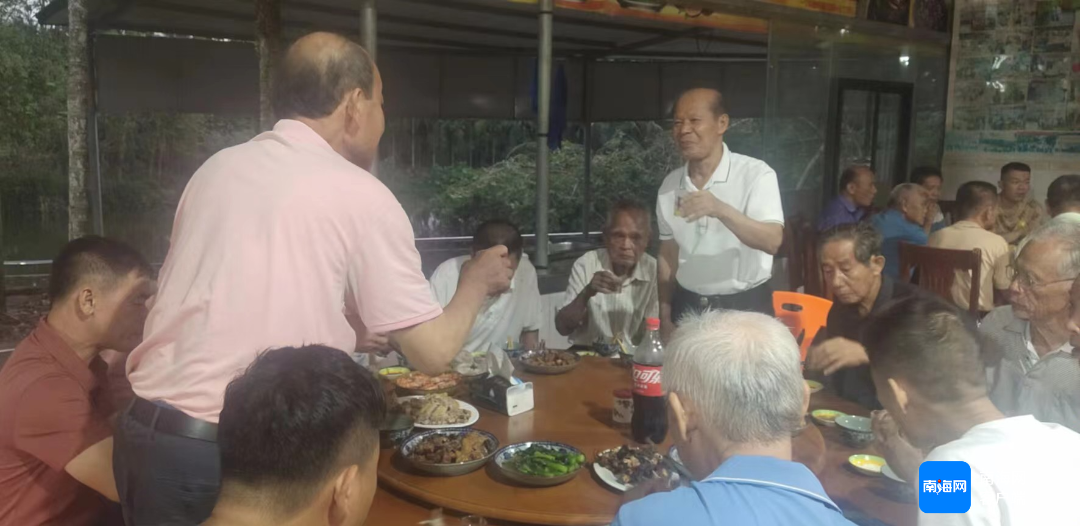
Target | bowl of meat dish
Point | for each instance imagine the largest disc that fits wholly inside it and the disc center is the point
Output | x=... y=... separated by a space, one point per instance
x=449 y=452
x=548 y=362
x=417 y=383
x=625 y=467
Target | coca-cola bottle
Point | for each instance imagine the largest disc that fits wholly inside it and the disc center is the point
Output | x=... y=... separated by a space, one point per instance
x=650 y=409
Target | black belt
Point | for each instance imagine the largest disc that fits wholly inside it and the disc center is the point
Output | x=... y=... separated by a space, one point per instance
x=171 y=421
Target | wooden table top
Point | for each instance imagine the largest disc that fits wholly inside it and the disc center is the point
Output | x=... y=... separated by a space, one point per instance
x=575 y=408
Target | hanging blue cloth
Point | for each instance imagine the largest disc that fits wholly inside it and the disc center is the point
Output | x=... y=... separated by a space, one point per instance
x=559 y=95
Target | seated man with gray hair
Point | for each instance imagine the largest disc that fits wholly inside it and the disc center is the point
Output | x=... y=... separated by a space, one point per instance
x=735 y=397
x=1035 y=372
x=906 y=220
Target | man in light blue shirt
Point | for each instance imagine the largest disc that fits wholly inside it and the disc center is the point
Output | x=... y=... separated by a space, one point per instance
x=735 y=396
x=906 y=220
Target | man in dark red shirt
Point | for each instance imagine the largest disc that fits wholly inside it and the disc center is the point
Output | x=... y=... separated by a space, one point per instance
x=55 y=431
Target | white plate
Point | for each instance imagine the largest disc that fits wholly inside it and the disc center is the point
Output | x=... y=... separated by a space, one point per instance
x=888 y=472
x=474 y=414
x=608 y=478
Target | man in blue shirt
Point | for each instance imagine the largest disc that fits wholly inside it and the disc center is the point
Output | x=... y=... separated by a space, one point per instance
x=906 y=220
x=735 y=396
x=858 y=186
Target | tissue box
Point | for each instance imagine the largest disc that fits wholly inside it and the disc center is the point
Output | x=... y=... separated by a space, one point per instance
x=496 y=393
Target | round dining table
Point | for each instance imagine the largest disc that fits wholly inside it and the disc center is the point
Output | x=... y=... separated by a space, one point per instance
x=576 y=408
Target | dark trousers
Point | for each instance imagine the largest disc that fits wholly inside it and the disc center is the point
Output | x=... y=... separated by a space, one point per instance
x=758 y=300
x=164 y=479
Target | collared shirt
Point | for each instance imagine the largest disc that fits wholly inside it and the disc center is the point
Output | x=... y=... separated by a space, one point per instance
x=1016 y=223
x=895 y=228
x=840 y=211
x=1010 y=485
x=273 y=241
x=1072 y=217
x=855 y=384
x=621 y=313
x=1022 y=382
x=744 y=490
x=995 y=267
x=505 y=316
x=53 y=406
x=712 y=260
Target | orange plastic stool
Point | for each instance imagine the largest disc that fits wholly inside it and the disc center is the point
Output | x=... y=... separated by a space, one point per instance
x=805 y=315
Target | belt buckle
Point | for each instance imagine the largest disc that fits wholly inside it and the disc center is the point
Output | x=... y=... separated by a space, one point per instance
x=703 y=301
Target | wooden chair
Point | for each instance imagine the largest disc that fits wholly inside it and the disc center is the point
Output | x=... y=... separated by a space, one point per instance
x=937 y=270
x=800 y=248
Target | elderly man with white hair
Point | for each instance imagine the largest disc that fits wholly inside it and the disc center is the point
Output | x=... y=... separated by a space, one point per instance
x=1034 y=371
x=906 y=220
x=735 y=397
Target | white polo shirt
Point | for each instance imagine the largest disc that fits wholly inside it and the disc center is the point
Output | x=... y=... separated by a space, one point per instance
x=507 y=315
x=712 y=260
x=611 y=314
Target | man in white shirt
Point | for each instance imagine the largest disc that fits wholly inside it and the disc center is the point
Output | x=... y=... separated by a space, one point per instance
x=612 y=290
x=1063 y=198
x=514 y=314
x=925 y=361
x=720 y=219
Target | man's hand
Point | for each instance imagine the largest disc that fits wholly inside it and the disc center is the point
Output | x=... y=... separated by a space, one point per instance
x=489 y=270
x=605 y=282
x=376 y=343
x=903 y=458
x=702 y=204
x=931 y=213
x=836 y=354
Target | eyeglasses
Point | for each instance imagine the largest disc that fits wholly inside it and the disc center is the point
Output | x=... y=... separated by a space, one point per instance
x=1025 y=281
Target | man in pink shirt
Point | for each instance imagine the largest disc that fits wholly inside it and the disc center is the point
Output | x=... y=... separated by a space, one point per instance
x=275 y=242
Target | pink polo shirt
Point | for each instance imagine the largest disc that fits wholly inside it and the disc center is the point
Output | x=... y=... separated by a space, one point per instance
x=272 y=240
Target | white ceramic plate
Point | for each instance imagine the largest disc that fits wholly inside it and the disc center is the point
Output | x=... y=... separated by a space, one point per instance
x=474 y=414
x=888 y=472
x=608 y=478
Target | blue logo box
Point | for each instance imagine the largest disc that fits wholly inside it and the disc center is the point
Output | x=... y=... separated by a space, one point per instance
x=944 y=486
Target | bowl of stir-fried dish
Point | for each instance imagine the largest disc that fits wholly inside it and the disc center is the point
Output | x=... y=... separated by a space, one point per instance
x=449 y=452
x=625 y=467
x=548 y=362
x=418 y=383
x=539 y=463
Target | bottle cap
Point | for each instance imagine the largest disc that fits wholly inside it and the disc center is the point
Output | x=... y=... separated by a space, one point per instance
x=652 y=324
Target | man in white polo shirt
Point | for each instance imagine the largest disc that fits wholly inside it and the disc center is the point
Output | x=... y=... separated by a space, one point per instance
x=719 y=216
x=515 y=314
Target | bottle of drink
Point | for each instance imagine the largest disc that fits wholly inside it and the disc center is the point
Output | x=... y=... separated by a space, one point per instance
x=650 y=408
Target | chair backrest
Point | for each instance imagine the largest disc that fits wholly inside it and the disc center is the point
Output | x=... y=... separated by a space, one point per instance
x=937 y=270
x=800 y=248
x=805 y=315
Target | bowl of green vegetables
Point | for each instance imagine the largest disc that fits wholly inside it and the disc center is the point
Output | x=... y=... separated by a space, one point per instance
x=539 y=463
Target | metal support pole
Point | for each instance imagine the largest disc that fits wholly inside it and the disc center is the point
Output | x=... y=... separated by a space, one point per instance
x=97 y=215
x=586 y=207
x=368 y=27
x=543 y=110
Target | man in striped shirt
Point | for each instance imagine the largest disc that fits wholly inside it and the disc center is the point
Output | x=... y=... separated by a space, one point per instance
x=612 y=290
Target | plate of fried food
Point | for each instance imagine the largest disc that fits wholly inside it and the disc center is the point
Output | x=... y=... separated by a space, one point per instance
x=625 y=467
x=449 y=452
x=438 y=410
x=417 y=383
x=549 y=362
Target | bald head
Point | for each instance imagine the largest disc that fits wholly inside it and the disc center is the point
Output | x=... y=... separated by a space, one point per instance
x=317 y=73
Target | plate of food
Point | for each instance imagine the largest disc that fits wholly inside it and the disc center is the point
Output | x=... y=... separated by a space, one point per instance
x=449 y=452
x=438 y=410
x=549 y=362
x=392 y=373
x=826 y=417
x=417 y=383
x=539 y=463
x=867 y=464
x=815 y=386
x=625 y=467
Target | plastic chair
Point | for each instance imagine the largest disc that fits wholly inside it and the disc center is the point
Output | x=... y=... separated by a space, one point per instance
x=805 y=315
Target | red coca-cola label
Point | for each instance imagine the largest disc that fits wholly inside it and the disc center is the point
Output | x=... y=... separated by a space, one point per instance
x=647 y=381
